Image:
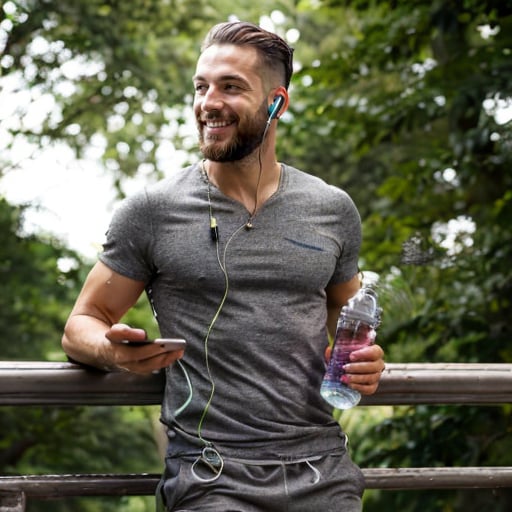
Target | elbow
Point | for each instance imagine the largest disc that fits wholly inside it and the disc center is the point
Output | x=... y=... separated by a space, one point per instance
x=67 y=341
x=66 y=345
x=64 y=342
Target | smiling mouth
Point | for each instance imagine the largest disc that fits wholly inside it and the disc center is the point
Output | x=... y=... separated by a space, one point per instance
x=216 y=123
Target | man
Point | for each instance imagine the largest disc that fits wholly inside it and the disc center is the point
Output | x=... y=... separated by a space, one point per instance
x=250 y=261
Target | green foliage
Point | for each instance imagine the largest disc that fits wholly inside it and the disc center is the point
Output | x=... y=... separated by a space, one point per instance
x=33 y=289
x=411 y=89
x=114 y=68
x=39 y=281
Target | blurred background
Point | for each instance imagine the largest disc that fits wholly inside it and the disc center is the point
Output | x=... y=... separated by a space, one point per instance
x=406 y=104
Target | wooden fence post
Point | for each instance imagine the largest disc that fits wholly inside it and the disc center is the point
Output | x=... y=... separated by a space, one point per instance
x=12 y=502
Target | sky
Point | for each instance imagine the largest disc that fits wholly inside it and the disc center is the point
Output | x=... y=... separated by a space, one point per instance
x=71 y=199
x=68 y=198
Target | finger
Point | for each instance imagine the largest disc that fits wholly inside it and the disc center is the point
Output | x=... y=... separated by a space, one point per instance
x=149 y=364
x=365 y=389
x=121 y=332
x=365 y=384
x=365 y=368
x=369 y=353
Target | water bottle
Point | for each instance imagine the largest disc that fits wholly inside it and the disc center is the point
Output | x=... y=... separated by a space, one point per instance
x=356 y=328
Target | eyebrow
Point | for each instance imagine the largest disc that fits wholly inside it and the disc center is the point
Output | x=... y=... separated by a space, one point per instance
x=223 y=78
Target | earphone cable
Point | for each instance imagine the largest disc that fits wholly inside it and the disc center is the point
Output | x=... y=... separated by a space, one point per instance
x=248 y=224
x=222 y=265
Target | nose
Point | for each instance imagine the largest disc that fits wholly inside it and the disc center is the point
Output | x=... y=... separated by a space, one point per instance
x=211 y=100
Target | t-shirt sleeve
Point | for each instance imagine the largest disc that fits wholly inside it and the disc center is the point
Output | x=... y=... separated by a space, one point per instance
x=350 y=236
x=127 y=247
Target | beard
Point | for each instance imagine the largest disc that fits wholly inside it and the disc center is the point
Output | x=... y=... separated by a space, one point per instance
x=248 y=137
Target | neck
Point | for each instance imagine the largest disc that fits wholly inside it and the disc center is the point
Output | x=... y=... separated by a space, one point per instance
x=250 y=181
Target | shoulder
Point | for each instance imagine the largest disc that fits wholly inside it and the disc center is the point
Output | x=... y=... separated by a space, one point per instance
x=176 y=184
x=314 y=188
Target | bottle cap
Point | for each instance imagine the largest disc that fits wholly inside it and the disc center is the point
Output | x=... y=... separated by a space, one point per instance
x=363 y=306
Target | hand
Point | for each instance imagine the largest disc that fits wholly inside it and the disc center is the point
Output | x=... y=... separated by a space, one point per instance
x=365 y=369
x=137 y=359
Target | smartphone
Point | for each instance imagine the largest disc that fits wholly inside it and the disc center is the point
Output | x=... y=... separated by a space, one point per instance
x=167 y=343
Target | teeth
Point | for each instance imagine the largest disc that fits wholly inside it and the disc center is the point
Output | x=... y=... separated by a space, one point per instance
x=217 y=124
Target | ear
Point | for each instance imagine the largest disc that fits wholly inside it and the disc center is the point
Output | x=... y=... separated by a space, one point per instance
x=279 y=102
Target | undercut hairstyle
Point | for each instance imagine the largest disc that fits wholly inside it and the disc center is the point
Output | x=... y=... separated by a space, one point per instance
x=274 y=51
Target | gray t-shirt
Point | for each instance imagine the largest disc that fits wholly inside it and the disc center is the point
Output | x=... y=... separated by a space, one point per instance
x=259 y=328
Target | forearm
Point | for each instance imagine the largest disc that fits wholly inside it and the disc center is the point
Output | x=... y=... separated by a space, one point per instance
x=337 y=296
x=332 y=321
x=84 y=341
x=93 y=323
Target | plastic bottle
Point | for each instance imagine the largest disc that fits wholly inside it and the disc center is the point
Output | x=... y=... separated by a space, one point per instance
x=356 y=328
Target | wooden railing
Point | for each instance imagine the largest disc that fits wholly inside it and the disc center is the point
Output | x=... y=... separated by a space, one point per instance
x=62 y=384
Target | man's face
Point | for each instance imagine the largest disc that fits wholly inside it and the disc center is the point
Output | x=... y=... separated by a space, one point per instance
x=229 y=103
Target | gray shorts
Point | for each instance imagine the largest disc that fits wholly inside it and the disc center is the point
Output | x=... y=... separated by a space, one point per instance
x=209 y=482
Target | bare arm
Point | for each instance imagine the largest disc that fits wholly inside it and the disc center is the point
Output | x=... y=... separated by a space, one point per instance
x=337 y=297
x=92 y=334
x=367 y=364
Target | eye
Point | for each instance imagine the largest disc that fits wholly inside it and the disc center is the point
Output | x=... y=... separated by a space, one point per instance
x=200 y=88
x=232 y=87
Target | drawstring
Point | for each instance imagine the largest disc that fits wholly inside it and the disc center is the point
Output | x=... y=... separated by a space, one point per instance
x=213 y=460
x=317 y=474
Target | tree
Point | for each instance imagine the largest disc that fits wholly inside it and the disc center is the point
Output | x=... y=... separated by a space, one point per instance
x=117 y=76
x=39 y=281
x=411 y=90
x=34 y=285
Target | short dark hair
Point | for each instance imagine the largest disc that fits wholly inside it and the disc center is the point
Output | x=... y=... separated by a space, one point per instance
x=273 y=50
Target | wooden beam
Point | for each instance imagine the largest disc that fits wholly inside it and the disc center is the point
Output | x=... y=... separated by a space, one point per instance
x=438 y=478
x=43 y=383
x=443 y=383
x=60 y=486
x=65 y=486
